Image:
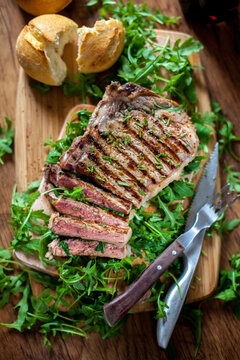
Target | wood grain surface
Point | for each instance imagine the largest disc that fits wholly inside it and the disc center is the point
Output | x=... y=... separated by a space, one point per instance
x=220 y=337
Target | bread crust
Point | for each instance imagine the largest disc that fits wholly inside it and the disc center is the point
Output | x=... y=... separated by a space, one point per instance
x=34 y=41
x=46 y=27
x=40 y=46
x=36 y=7
x=101 y=46
x=33 y=61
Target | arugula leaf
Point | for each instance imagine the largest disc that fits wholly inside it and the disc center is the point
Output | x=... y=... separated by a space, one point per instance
x=194 y=166
x=73 y=130
x=65 y=247
x=228 y=225
x=100 y=247
x=86 y=84
x=226 y=295
x=22 y=312
x=223 y=226
x=183 y=189
x=233 y=177
x=174 y=109
x=25 y=220
x=76 y=193
x=92 y=2
x=43 y=88
x=225 y=132
x=205 y=127
x=6 y=139
x=5 y=254
x=229 y=284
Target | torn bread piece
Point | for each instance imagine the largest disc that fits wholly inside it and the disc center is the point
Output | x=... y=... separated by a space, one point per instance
x=40 y=47
x=100 y=47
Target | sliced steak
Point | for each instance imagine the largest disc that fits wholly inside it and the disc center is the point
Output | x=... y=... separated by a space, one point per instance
x=56 y=176
x=69 y=226
x=82 y=210
x=87 y=248
x=136 y=143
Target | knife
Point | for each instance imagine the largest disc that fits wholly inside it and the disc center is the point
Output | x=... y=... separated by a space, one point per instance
x=173 y=300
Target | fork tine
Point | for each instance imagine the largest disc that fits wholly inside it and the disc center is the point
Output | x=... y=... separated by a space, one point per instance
x=219 y=193
x=222 y=201
x=227 y=205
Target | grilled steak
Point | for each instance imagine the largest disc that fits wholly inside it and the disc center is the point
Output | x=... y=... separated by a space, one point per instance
x=55 y=175
x=87 y=248
x=73 y=227
x=137 y=142
x=82 y=210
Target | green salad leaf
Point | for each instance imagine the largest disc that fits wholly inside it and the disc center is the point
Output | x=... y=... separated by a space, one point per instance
x=43 y=88
x=6 y=139
x=229 y=284
x=225 y=131
x=73 y=130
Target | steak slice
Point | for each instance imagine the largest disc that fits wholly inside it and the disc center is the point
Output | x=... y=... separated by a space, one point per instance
x=82 y=210
x=87 y=248
x=55 y=175
x=73 y=227
x=136 y=143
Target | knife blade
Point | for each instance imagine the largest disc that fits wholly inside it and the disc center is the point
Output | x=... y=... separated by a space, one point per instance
x=205 y=187
x=174 y=301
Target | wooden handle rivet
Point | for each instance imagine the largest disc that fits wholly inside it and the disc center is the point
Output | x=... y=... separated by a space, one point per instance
x=174 y=252
x=159 y=267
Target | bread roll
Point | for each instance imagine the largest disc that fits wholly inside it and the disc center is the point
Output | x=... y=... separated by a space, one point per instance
x=100 y=47
x=40 y=47
x=39 y=7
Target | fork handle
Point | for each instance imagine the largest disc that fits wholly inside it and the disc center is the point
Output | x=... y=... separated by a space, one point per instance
x=173 y=299
x=115 y=310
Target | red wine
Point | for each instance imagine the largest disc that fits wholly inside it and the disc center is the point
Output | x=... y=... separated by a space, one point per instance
x=208 y=11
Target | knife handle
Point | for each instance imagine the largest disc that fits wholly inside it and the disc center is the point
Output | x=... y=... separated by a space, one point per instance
x=118 y=307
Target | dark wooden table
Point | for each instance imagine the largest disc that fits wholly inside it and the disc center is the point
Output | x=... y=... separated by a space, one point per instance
x=221 y=329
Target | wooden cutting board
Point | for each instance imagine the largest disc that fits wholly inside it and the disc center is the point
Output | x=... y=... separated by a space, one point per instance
x=40 y=116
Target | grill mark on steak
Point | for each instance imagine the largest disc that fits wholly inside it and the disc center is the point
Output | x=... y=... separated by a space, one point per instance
x=55 y=175
x=124 y=169
x=132 y=165
x=157 y=146
x=151 y=147
x=124 y=151
x=105 y=168
x=137 y=150
x=109 y=117
x=177 y=141
x=72 y=207
x=103 y=176
x=146 y=144
x=107 y=180
x=148 y=160
x=166 y=143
